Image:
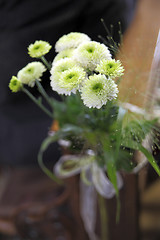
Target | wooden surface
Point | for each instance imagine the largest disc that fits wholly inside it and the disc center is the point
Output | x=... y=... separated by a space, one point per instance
x=137 y=51
x=128 y=226
x=35 y=207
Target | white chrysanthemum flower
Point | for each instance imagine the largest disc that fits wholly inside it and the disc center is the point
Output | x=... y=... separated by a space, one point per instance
x=67 y=53
x=72 y=78
x=97 y=90
x=89 y=54
x=69 y=81
x=39 y=49
x=111 y=68
x=57 y=88
x=71 y=40
x=60 y=66
x=31 y=72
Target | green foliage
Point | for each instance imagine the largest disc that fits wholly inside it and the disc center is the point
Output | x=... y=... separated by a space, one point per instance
x=135 y=131
x=110 y=130
x=68 y=111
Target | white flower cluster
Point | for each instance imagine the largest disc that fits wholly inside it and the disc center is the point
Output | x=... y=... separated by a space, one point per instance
x=85 y=66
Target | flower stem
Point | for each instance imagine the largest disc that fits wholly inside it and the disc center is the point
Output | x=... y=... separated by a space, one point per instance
x=46 y=63
x=103 y=218
x=43 y=93
x=37 y=102
x=118 y=210
x=47 y=171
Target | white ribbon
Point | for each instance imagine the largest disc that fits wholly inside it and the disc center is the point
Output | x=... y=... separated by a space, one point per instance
x=88 y=205
x=70 y=165
x=102 y=184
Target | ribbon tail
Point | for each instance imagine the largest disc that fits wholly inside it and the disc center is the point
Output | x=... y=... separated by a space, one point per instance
x=88 y=206
x=102 y=184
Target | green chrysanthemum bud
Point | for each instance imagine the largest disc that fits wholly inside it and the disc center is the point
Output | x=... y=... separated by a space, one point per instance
x=15 y=85
x=39 y=49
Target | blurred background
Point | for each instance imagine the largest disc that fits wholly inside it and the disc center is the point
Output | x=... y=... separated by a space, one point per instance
x=31 y=205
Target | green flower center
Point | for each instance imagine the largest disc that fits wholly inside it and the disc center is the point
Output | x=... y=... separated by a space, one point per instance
x=29 y=70
x=14 y=82
x=65 y=56
x=71 y=77
x=90 y=49
x=110 y=65
x=37 y=47
x=97 y=87
x=63 y=69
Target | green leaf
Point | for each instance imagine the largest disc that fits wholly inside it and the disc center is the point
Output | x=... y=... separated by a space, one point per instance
x=136 y=146
x=69 y=110
x=150 y=159
x=111 y=171
x=136 y=130
x=125 y=160
x=112 y=174
x=118 y=133
x=45 y=144
x=69 y=128
x=130 y=143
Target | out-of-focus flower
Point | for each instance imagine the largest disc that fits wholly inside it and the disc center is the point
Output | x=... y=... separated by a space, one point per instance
x=31 y=72
x=89 y=54
x=67 y=53
x=39 y=49
x=71 y=40
x=60 y=66
x=15 y=85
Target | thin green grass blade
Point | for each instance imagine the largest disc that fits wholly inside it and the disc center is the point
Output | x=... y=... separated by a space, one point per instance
x=150 y=158
x=45 y=144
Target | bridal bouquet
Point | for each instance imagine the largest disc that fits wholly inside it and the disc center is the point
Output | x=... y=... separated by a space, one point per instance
x=100 y=132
